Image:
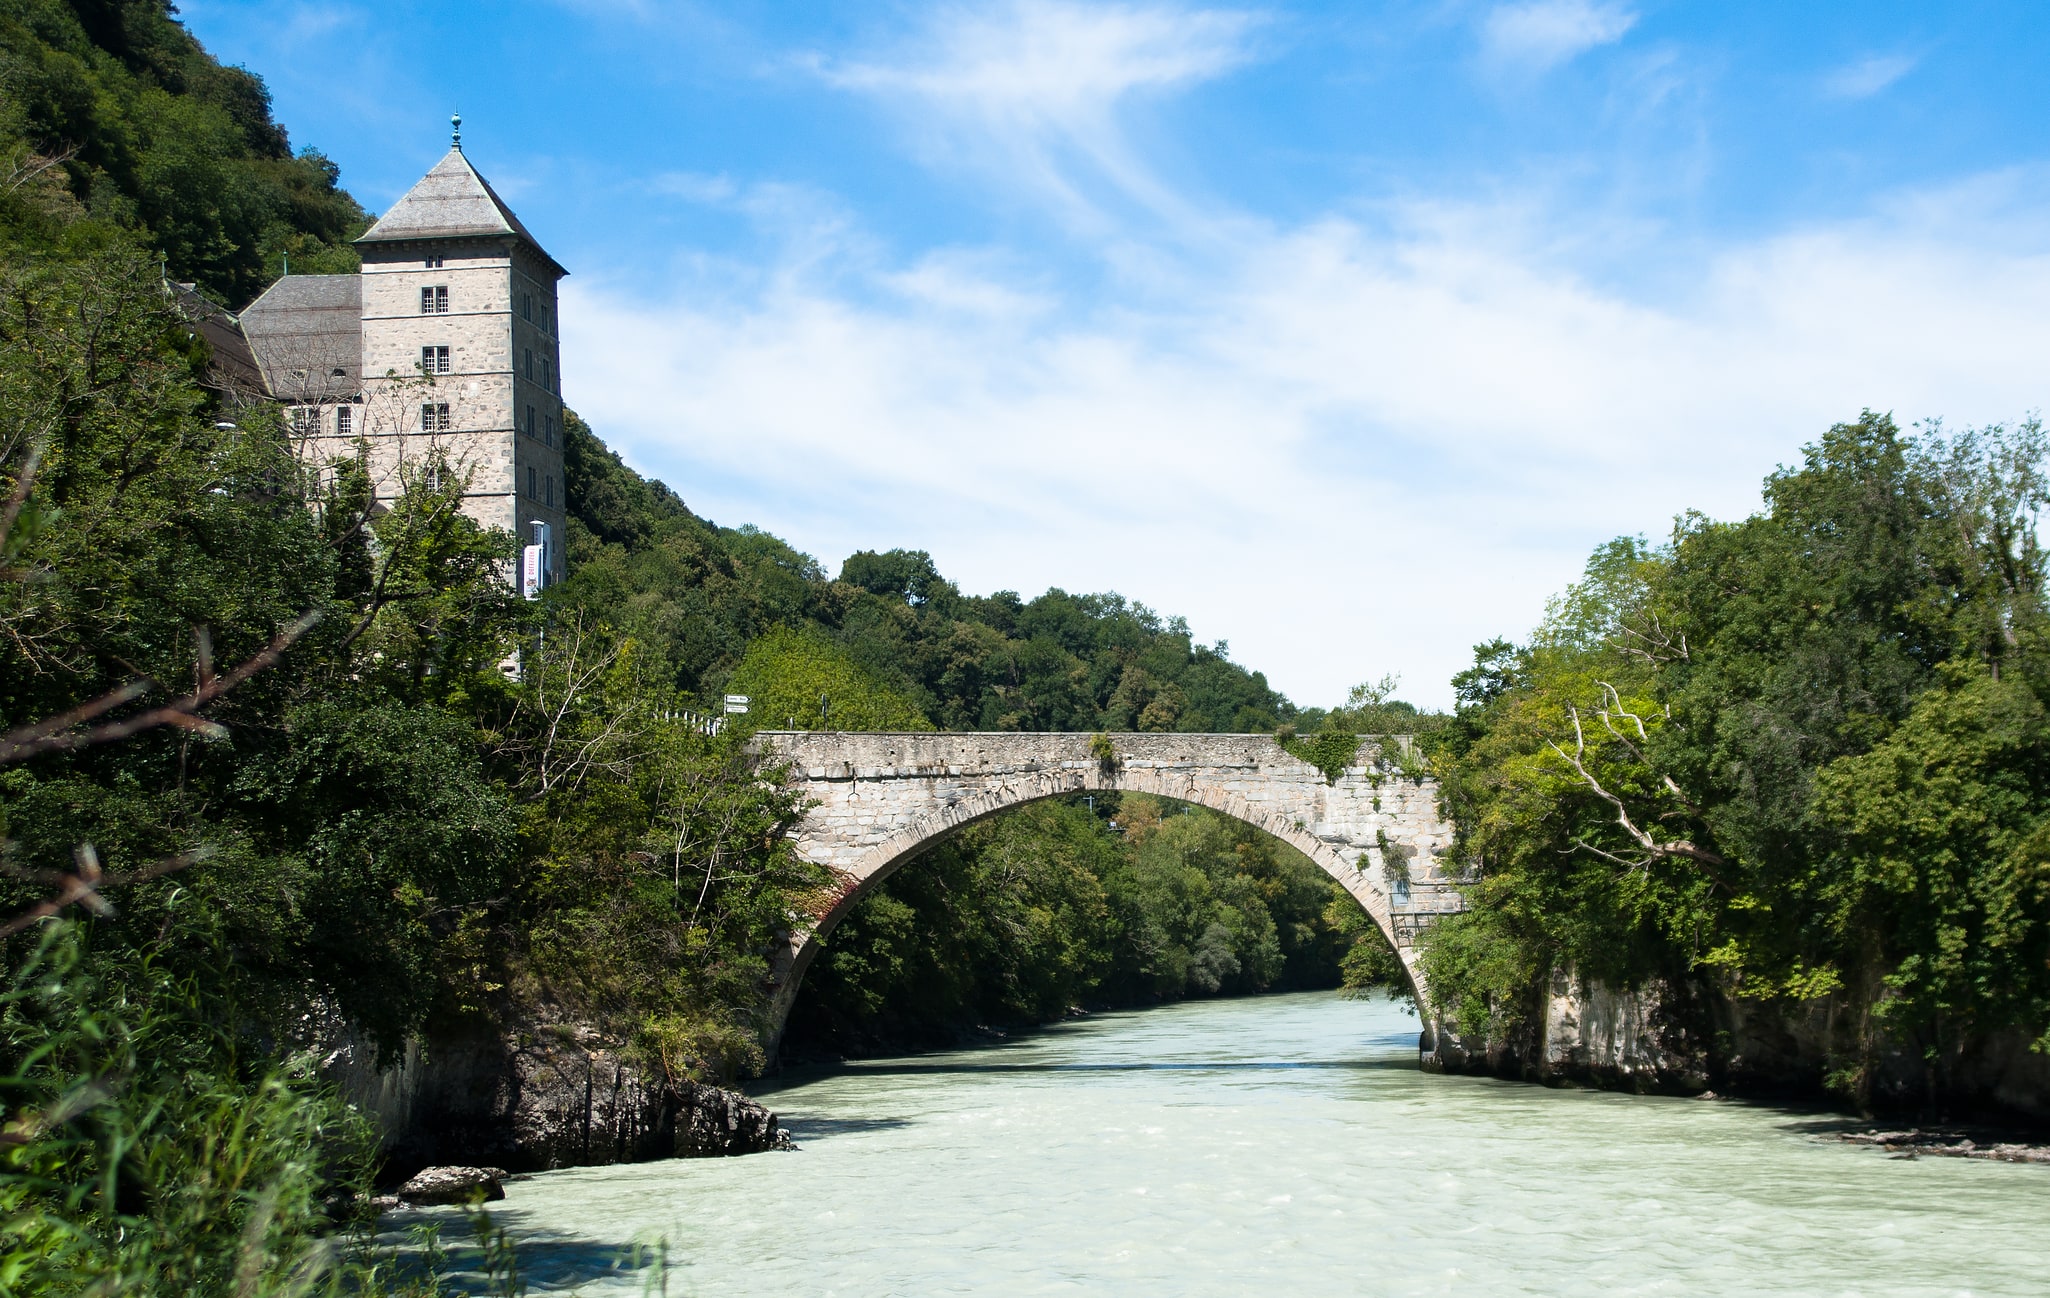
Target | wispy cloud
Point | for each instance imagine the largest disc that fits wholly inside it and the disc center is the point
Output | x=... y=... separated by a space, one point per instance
x=1033 y=89
x=1868 y=76
x=1538 y=35
x=1050 y=63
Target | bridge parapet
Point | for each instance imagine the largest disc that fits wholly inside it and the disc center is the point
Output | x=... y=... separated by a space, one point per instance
x=876 y=800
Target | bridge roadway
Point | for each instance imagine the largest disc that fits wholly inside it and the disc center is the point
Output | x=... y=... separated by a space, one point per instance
x=875 y=801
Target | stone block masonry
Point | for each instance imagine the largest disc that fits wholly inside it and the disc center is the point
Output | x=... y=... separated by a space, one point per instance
x=875 y=801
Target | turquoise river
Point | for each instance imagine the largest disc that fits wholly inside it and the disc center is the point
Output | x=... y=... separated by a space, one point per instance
x=1283 y=1145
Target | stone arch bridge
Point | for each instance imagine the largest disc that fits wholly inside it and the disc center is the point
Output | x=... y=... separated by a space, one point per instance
x=878 y=800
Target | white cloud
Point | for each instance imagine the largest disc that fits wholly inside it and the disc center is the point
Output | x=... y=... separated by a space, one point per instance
x=1541 y=34
x=1868 y=76
x=1031 y=91
x=1054 y=62
x=1347 y=448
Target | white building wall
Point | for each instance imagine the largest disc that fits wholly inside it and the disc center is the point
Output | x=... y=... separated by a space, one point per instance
x=487 y=391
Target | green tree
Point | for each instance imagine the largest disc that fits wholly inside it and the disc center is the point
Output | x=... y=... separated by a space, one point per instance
x=125 y=129
x=1796 y=754
x=805 y=680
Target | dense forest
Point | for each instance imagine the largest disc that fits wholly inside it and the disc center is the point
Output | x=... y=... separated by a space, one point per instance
x=1803 y=757
x=890 y=630
x=115 y=126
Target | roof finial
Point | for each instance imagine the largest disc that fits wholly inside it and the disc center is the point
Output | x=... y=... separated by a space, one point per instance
x=455 y=121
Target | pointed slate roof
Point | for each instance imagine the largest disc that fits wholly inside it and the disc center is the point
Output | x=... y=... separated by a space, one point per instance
x=306 y=332
x=452 y=201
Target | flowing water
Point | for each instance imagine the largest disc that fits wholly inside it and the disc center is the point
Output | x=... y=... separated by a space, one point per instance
x=1288 y=1145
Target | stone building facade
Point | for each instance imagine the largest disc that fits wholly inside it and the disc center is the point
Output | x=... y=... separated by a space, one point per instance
x=442 y=354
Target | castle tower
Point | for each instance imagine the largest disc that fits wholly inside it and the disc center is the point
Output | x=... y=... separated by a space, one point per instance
x=460 y=351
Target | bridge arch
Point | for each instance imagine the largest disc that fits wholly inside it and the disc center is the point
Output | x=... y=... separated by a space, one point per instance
x=877 y=801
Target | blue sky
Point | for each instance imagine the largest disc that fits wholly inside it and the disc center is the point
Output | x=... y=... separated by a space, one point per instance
x=1343 y=330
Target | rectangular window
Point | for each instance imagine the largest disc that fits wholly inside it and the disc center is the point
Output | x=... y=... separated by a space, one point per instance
x=547 y=374
x=528 y=364
x=551 y=430
x=305 y=421
x=551 y=491
x=433 y=263
x=533 y=429
x=344 y=417
x=526 y=306
x=434 y=360
x=434 y=417
x=434 y=301
x=530 y=482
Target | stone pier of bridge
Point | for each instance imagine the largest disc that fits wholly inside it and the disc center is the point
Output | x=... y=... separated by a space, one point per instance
x=875 y=801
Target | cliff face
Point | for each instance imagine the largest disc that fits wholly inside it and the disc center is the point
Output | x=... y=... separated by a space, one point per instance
x=539 y=1097
x=1685 y=1038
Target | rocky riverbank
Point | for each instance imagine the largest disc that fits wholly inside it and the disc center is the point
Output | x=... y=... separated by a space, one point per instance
x=539 y=1096
x=1686 y=1038
x=1917 y=1143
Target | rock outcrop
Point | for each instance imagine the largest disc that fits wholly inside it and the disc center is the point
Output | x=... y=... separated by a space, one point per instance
x=1682 y=1038
x=572 y=1103
x=441 y=1185
x=545 y=1096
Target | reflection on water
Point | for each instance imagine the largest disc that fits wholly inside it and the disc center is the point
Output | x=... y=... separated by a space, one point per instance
x=1282 y=1144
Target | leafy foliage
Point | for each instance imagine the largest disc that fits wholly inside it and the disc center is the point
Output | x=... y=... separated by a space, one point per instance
x=146 y=1158
x=804 y=681
x=1802 y=753
x=1330 y=751
x=116 y=125
x=1403 y=733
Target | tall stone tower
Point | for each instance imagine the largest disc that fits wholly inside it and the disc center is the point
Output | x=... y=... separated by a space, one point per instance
x=460 y=351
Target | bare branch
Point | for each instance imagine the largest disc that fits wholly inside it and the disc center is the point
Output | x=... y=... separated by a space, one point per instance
x=1685 y=801
x=1640 y=864
x=1657 y=645
x=57 y=734
x=1613 y=701
x=202 y=657
x=31 y=164
x=84 y=885
x=1678 y=847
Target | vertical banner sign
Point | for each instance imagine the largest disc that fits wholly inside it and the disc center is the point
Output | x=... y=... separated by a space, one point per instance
x=534 y=562
x=530 y=572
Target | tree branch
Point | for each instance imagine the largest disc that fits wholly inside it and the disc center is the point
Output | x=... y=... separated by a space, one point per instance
x=83 y=886
x=57 y=734
x=1678 y=847
x=23 y=484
